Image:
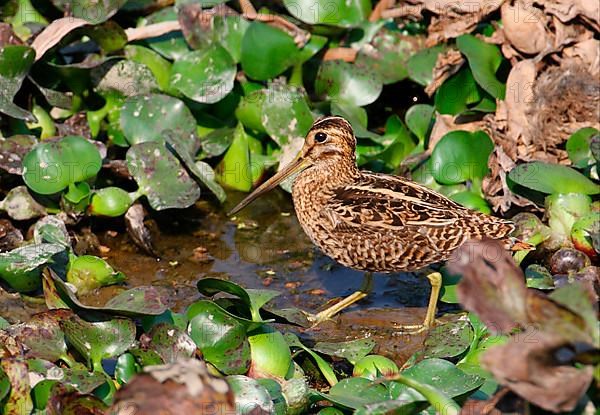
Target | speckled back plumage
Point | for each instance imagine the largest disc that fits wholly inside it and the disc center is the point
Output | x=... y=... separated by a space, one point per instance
x=378 y=222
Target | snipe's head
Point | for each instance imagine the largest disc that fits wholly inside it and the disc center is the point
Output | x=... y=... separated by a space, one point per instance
x=329 y=140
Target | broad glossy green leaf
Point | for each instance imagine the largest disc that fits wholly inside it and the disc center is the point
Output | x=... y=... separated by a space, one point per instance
x=20 y=205
x=472 y=200
x=127 y=78
x=21 y=267
x=109 y=36
x=324 y=367
x=552 y=178
x=418 y=119
x=51 y=167
x=456 y=93
x=92 y=11
x=160 y=176
x=438 y=373
x=160 y=67
x=387 y=54
x=356 y=116
x=420 y=65
x=253 y=298
x=250 y=396
x=78 y=193
x=342 y=81
x=339 y=13
x=171 y=343
x=205 y=75
x=171 y=45
x=229 y=31
x=220 y=337
x=460 y=156
x=578 y=147
x=111 y=201
x=135 y=302
x=88 y=272
x=537 y=276
x=43 y=336
x=352 y=350
x=126 y=368
x=285 y=113
x=270 y=353
x=484 y=60
x=234 y=171
x=145 y=117
x=449 y=339
x=99 y=340
x=199 y=169
x=51 y=229
x=355 y=392
x=267 y=51
x=15 y=62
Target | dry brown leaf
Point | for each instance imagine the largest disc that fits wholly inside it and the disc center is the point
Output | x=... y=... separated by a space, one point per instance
x=137 y=230
x=492 y=287
x=8 y=36
x=567 y=10
x=184 y=387
x=526 y=366
x=519 y=97
x=446 y=65
x=152 y=30
x=525 y=27
x=53 y=33
x=586 y=54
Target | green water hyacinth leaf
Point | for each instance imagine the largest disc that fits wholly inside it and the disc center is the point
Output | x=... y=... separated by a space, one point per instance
x=126 y=368
x=460 y=156
x=352 y=350
x=449 y=339
x=418 y=119
x=127 y=78
x=199 y=169
x=159 y=66
x=171 y=343
x=235 y=170
x=285 y=113
x=438 y=373
x=220 y=337
x=89 y=272
x=270 y=353
x=99 y=340
x=578 y=147
x=110 y=201
x=250 y=396
x=170 y=45
x=50 y=167
x=90 y=10
x=471 y=200
x=484 y=60
x=552 y=178
x=160 y=177
x=375 y=366
x=322 y=364
x=254 y=299
x=51 y=229
x=20 y=205
x=15 y=62
x=457 y=93
x=21 y=267
x=204 y=76
x=420 y=65
x=145 y=117
x=340 y=13
x=267 y=51
x=352 y=393
x=136 y=302
x=387 y=54
x=341 y=81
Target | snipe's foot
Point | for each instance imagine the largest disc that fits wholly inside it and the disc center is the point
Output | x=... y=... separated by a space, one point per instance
x=435 y=278
x=328 y=313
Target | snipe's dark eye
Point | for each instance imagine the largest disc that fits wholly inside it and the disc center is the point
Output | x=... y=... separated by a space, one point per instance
x=320 y=137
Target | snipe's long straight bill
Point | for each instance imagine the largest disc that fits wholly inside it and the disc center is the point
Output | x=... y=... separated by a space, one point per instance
x=294 y=167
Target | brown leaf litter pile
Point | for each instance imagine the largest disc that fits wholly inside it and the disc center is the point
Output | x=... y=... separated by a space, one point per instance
x=552 y=89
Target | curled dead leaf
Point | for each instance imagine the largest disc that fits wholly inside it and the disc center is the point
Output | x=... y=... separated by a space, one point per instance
x=53 y=33
x=524 y=27
x=446 y=65
x=182 y=387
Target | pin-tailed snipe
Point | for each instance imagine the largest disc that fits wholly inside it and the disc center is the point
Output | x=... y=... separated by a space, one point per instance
x=373 y=222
